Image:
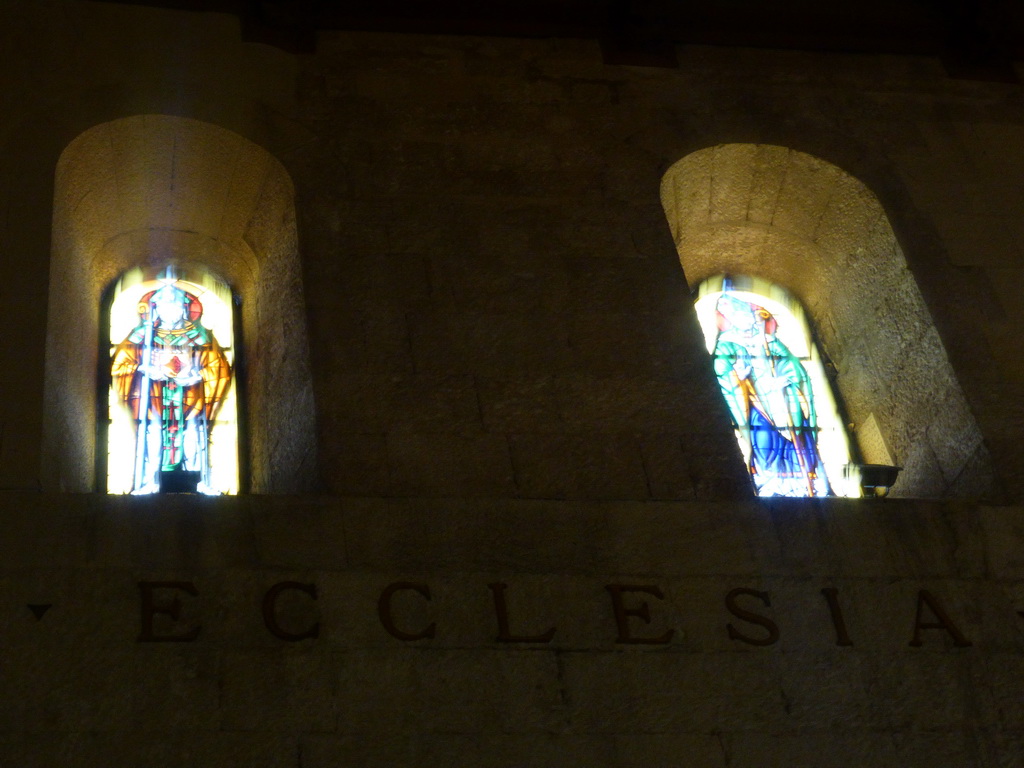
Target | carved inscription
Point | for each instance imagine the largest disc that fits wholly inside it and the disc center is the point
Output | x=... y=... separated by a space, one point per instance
x=270 y=613
x=168 y=610
x=501 y=610
x=832 y=598
x=170 y=607
x=388 y=620
x=642 y=612
x=771 y=628
x=924 y=597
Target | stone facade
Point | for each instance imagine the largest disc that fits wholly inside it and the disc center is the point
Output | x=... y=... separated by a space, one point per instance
x=108 y=675
x=499 y=416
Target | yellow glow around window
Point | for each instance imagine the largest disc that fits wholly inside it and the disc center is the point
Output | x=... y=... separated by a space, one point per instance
x=214 y=458
x=787 y=423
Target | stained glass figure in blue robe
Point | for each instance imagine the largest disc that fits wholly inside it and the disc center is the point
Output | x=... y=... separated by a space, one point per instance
x=770 y=399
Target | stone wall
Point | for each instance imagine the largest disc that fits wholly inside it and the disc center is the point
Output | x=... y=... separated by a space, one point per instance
x=492 y=293
x=165 y=643
x=508 y=386
x=785 y=216
x=494 y=205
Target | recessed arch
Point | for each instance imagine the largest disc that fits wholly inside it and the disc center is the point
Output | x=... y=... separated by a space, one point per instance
x=802 y=223
x=149 y=190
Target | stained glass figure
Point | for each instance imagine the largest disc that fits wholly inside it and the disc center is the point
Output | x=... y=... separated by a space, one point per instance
x=171 y=377
x=773 y=382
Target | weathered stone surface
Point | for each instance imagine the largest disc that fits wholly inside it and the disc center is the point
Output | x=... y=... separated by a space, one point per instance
x=80 y=674
x=466 y=327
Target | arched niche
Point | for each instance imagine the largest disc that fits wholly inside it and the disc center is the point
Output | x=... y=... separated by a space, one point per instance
x=805 y=224
x=152 y=189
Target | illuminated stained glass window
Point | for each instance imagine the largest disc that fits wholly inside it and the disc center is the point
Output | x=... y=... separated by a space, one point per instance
x=173 y=410
x=773 y=380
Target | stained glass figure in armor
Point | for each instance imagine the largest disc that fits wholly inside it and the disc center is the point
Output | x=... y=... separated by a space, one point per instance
x=770 y=399
x=172 y=374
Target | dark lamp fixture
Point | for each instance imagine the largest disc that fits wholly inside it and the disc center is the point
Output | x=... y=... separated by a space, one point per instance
x=179 y=481
x=877 y=479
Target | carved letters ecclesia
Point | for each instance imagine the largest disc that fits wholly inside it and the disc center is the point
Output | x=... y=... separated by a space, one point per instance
x=632 y=615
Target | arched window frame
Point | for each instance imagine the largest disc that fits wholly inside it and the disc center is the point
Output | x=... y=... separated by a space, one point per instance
x=147 y=190
x=803 y=223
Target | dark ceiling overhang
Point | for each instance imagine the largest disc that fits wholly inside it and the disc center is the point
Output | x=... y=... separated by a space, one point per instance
x=977 y=39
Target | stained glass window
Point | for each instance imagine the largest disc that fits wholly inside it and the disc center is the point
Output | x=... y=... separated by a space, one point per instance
x=771 y=375
x=173 y=411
